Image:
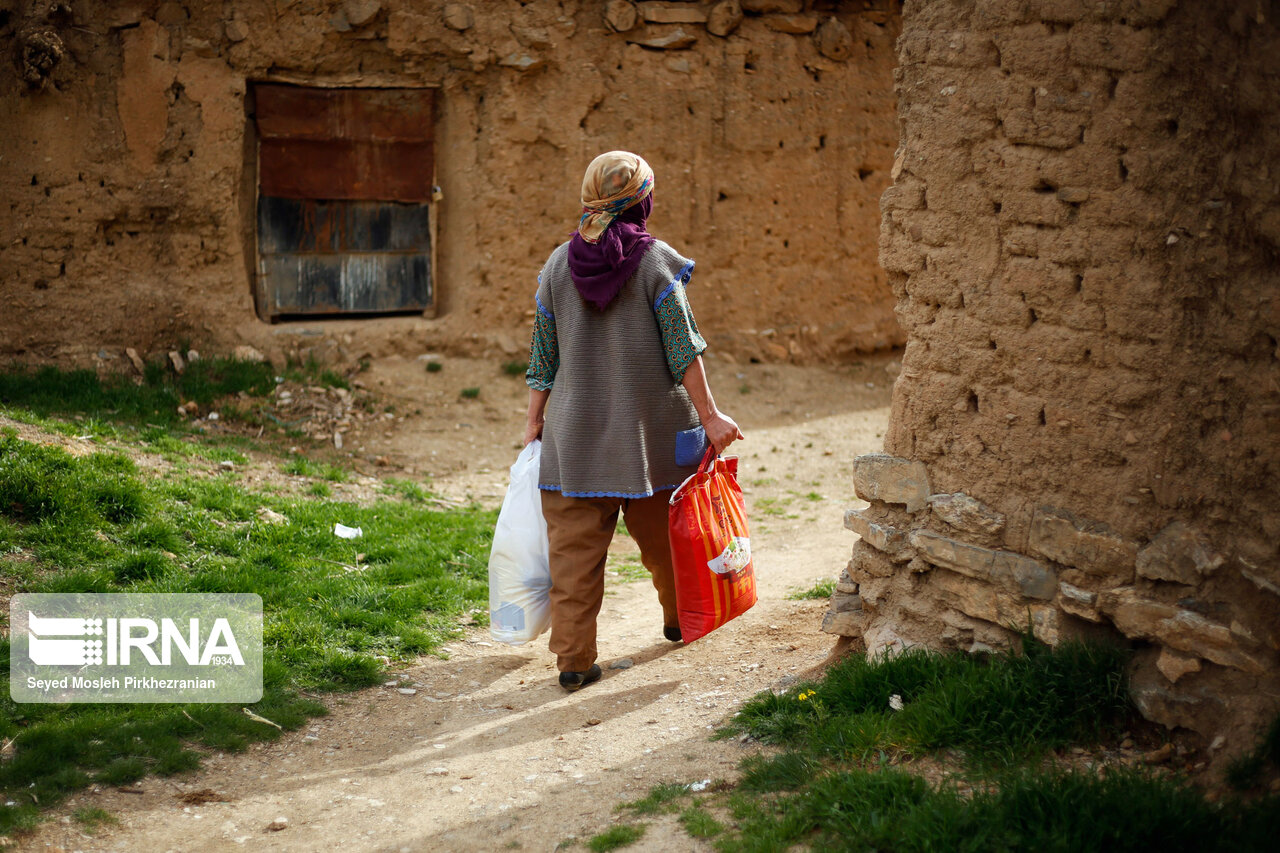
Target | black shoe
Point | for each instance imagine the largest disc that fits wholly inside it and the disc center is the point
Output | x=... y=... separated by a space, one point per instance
x=672 y=633
x=572 y=681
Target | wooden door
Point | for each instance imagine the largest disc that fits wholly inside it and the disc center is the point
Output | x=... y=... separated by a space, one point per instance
x=344 y=200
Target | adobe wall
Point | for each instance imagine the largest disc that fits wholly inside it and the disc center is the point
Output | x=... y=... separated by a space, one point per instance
x=1084 y=238
x=130 y=187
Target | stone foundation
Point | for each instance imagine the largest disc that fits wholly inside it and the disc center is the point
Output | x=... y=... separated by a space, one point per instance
x=1084 y=238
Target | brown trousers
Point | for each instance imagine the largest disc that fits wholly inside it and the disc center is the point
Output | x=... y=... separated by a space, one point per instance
x=580 y=530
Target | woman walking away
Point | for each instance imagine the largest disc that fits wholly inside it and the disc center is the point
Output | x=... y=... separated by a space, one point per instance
x=619 y=397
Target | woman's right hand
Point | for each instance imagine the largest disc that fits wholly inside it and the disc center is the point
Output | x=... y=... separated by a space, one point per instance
x=722 y=431
x=532 y=432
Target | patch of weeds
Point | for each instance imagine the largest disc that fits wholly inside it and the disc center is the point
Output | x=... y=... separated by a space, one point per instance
x=629 y=571
x=822 y=589
x=659 y=800
x=91 y=817
x=434 y=367
x=764 y=481
x=470 y=393
x=1003 y=706
x=515 y=368
x=622 y=835
x=774 y=506
x=320 y=490
x=301 y=466
x=407 y=490
x=94 y=524
x=813 y=496
x=744 y=388
x=334 y=473
x=893 y=810
x=699 y=823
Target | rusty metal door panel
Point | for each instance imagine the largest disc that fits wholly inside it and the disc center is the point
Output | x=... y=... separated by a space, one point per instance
x=373 y=144
x=345 y=177
x=344 y=256
x=343 y=168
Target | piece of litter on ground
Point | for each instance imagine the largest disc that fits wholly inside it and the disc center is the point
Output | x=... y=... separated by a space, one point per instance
x=344 y=532
x=895 y=702
x=440 y=745
x=700 y=786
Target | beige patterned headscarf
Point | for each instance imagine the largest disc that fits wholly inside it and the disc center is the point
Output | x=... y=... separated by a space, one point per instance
x=614 y=181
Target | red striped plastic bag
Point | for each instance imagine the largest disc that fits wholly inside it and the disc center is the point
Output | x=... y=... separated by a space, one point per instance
x=711 y=548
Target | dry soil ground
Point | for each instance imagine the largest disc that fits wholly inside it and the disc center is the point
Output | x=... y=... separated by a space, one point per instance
x=490 y=753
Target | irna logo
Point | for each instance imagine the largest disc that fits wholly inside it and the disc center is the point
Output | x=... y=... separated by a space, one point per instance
x=63 y=641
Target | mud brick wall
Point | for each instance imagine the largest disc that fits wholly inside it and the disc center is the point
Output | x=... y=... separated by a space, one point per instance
x=1084 y=238
x=128 y=163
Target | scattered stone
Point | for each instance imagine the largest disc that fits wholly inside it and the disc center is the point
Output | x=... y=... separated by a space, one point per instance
x=1088 y=545
x=278 y=824
x=136 y=360
x=680 y=13
x=521 y=62
x=534 y=37
x=892 y=479
x=764 y=7
x=1139 y=617
x=882 y=537
x=620 y=15
x=622 y=663
x=834 y=40
x=968 y=514
x=244 y=352
x=361 y=12
x=227 y=465
x=1127 y=743
x=236 y=30
x=797 y=25
x=192 y=356
x=1173 y=665
x=1073 y=195
x=677 y=39
x=381 y=461
x=458 y=16
x=1179 y=554
x=214 y=416
x=594 y=721
x=407 y=691
x=724 y=18
x=850 y=623
x=1159 y=756
x=1008 y=569
x=175 y=358
x=438 y=771
x=270 y=516
x=456 y=789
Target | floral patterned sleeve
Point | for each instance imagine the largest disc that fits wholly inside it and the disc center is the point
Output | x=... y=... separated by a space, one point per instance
x=544 y=352
x=680 y=335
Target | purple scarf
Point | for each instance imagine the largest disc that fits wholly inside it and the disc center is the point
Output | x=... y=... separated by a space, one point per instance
x=600 y=269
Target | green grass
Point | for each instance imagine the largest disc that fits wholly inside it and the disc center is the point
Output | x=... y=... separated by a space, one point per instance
x=515 y=368
x=857 y=810
x=49 y=391
x=96 y=524
x=822 y=589
x=616 y=837
x=91 y=817
x=629 y=570
x=470 y=393
x=699 y=823
x=1003 y=707
x=660 y=799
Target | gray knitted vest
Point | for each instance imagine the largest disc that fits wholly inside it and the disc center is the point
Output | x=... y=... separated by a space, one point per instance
x=615 y=408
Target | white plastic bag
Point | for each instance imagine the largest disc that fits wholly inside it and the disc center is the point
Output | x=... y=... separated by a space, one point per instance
x=519 y=571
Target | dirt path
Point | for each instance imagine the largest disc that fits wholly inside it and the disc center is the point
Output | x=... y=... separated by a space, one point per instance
x=490 y=753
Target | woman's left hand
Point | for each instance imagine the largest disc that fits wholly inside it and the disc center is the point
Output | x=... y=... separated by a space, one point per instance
x=722 y=431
